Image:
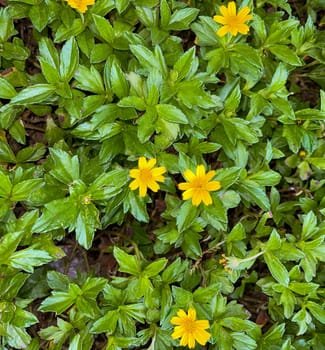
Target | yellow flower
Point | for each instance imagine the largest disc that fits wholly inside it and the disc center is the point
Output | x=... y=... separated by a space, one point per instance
x=80 y=5
x=146 y=176
x=189 y=329
x=199 y=186
x=233 y=23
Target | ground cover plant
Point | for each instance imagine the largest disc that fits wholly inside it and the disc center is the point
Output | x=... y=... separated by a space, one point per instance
x=162 y=174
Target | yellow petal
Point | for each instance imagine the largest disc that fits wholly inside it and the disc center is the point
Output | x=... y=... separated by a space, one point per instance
x=184 y=339
x=158 y=171
x=210 y=175
x=189 y=175
x=176 y=321
x=202 y=336
x=153 y=185
x=142 y=163
x=213 y=186
x=223 y=10
x=196 y=199
x=142 y=190
x=134 y=173
x=134 y=185
x=159 y=178
x=243 y=13
x=184 y=186
x=192 y=314
x=203 y=324
x=151 y=163
x=223 y=30
x=200 y=171
x=188 y=194
x=206 y=198
x=178 y=332
x=191 y=341
x=233 y=30
x=243 y=28
x=232 y=8
x=219 y=19
x=181 y=313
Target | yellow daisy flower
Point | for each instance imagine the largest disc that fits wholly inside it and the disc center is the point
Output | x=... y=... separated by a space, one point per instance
x=199 y=185
x=233 y=23
x=80 y=5
x=189 y=329
x=146 y=176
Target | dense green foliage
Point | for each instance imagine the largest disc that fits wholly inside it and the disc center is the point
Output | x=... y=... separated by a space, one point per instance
x=83 y=96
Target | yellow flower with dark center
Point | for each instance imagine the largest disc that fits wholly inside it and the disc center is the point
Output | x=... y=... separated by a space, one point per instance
x=233 y=23
x=146 y=176
x=189 y=329
x=80 y=5
x=199 y=185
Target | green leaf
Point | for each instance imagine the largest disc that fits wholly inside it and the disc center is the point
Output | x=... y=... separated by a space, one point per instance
x=40 y=16
x=49 y=53
x=186 y=216
x=181 y=19
x=37 y=93
x=205 y=295
x=186 y=65
x=119 y=83
x=65 y=167
x=216 y=214
x=18 y=337
x=144 y=56
x=58 y=281
x=104 y=28
x=5 y=185
x=127 y=263
x=227 y=176
x=26 y=259
x=277 y=269
x=133 y=101
x=155 y=267
x=22 y=190
x=164 y=13
x=317 y=311
x=283 y=53
x=7 y=91
x=86 y=224
x=58 y=302
x=191 y=244
x=279 y=79
x=89 y=80
x=174 y=272
x=318 y=162
x=266 y=178
x=108 y=185
x=309 y=228
x=69 y=59
x=6 y=154
x=106 y=323
x=171 y=114
x=9 y=243
x=31 y=153
x=11 y=283
x=60 y=213
x=137 y=206
x=251 y=192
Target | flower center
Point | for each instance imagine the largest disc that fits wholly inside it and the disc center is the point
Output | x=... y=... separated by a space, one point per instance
x=200 y=184
x=233 y=20
x=145 y=175
x=189 y=325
